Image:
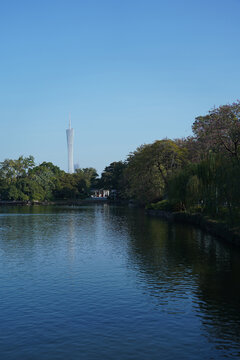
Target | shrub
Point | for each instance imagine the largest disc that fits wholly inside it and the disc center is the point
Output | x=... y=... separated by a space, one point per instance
x=163 y=205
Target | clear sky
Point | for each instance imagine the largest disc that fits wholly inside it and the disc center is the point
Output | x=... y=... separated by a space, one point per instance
x=129 y=71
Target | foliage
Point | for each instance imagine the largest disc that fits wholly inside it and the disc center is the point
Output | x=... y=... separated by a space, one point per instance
x=150 y=167
x=209 y=186
x=220 y=130
x=77 y=185
x=21 y=180
x=112 y=176
x=88 y=176
x=11 y=170
x=163 y=205
x=13 y=178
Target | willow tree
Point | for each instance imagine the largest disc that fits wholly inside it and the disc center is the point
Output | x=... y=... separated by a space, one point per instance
x=211 y=185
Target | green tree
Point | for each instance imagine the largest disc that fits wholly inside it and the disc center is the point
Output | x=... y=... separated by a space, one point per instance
x=210 y=186
x=76 y=185
x=112 y=176
x=44 y=179
x=89 y=175
x=150 y=167
x=11 y=170
x=12 y=174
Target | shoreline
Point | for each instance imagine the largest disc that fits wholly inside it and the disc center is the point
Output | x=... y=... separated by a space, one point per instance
x=213 y=227
x=58 y=202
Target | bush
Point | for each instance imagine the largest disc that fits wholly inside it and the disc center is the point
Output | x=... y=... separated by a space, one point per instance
x=163 y=205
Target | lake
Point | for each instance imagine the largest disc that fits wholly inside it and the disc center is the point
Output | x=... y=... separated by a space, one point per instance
x=107 y=282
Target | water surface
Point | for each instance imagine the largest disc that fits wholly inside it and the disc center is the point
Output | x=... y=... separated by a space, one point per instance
x=102 y=282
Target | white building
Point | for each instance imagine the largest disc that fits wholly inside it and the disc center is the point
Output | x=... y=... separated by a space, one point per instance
x=100 y=193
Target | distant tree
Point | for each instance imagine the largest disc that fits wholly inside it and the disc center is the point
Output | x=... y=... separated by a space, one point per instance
x=13 y=173
x=21 y=180
x=76 y=185
x=89 y=175
x=112 y=176
x=44 y=179
x=11 y=170
x=68 y=187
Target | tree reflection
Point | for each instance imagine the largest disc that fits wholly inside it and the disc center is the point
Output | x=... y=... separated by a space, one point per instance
x=179 y=261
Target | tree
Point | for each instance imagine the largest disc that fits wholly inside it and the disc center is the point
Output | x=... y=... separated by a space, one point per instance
x=192 y=148
x=11 y=170
x=220 y=130
x=44 y=179
x=112 y=176
x=150 y=167
x=13 y=173
x=211 y=186
x=89 y=175
x=76 y=185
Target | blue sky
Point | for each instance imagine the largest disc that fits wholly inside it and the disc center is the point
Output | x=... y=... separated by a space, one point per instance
x=130 y=72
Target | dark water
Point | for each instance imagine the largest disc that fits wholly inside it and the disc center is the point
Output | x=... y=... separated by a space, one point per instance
x=102 y=282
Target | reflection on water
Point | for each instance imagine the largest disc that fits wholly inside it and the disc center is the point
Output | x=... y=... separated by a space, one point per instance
x=108 y=282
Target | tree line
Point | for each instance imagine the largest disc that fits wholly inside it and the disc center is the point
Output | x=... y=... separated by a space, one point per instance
x=22 y=180
x=197 y=173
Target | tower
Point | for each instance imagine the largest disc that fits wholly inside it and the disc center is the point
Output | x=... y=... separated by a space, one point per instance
x=70 y=134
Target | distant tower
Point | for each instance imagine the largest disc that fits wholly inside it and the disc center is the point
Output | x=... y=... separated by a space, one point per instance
x=76 y=166
x=70 y=134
